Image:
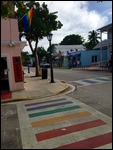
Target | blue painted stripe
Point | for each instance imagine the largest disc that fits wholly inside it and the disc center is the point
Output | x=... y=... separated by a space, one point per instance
x=54 y=111
x=89 y=81
x=51 y=105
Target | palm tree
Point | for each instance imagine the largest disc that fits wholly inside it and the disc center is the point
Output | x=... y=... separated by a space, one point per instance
x=93 y=38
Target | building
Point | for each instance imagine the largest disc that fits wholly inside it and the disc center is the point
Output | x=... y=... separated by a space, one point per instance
x=64 y=49
x=105 y=44
x=69 y=56
x=60 y=51
x=84 y=58
x=11 y=64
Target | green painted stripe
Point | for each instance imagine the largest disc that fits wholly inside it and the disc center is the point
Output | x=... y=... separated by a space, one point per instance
x=103 y=79
x=59 y=119
x=53 y=111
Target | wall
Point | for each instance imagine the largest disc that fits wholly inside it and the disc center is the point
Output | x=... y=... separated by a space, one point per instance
x=86 y=56
x=9 y=32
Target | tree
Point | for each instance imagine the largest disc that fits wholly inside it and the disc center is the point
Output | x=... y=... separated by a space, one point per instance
x=8 y=8
x=92 y=39
x=72 y=40
x=42 y=53
x=43 y=22
x=25 y=58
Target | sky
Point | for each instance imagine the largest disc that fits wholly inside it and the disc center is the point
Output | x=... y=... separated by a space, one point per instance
x=77 y=17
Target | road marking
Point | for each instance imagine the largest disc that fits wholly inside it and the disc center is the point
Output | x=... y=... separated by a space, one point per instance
x=90 y=81
x=37 y=103
x=89 y=143
x=53 y=111
x=74 y=124
x=59 y=119
x=46 y=106
x=69 y=129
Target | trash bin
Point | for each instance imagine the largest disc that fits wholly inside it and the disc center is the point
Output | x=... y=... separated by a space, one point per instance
x=44 y=73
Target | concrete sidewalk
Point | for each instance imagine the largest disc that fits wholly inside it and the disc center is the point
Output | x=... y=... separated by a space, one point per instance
x=36 y=87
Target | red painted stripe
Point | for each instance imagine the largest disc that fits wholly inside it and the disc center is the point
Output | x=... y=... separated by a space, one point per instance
x=89 y=143
x=66 y=130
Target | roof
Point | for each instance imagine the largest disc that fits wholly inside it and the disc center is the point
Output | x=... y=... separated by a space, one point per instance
x=103 y=44
x=65 y=48
x=105 y=28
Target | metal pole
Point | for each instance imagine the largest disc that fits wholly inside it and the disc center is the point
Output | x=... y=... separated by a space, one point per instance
x=51 y=64
x=28 y=68
x=101 y=50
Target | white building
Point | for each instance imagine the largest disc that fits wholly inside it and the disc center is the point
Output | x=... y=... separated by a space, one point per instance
x=105 y=44
x=64 y=49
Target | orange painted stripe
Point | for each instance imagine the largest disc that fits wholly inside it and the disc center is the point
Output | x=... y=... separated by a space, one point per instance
x=70 y=129
x=60 y=118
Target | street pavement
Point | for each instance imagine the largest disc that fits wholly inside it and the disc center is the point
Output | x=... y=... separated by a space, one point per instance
x=41 y=117
x=63 y=123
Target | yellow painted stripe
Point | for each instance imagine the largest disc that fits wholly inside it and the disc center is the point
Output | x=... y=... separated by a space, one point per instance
x=60 y=118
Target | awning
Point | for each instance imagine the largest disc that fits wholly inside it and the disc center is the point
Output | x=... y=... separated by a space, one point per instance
x=78 y=54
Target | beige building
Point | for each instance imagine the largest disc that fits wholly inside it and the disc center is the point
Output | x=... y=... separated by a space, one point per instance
x=11 y=64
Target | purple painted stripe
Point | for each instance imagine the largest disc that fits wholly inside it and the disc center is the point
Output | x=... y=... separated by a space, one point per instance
x=31 y=104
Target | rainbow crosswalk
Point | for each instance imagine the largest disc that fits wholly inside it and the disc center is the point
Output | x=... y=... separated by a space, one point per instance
x=63 y=123
x=91 y=81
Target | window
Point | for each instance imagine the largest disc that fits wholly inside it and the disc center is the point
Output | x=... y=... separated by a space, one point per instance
x=94 y=59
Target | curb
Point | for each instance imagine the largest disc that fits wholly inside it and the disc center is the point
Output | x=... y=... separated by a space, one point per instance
x=23 y=99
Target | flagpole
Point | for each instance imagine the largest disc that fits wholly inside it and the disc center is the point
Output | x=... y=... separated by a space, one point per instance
x=21 y=18
x=26 y=13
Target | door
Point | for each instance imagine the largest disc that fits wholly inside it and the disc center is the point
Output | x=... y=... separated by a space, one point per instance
x=4 y=75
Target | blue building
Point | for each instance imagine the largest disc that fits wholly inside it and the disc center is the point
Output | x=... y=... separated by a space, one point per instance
x=78 y=56
x=85 y=58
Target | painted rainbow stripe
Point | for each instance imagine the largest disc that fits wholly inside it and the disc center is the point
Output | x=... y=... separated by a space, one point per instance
x=70 y=129
x=53 y=111
x=60 y=119
x=103 y=79
x=37 y=103
x=89 y=143
x=50 y=105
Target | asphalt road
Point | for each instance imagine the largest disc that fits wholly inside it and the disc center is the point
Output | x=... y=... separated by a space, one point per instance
x=97 y=96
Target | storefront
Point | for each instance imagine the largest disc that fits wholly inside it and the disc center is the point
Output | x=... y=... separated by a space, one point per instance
x=11 y=63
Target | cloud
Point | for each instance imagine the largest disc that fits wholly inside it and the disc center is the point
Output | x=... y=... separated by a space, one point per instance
x=76 y=19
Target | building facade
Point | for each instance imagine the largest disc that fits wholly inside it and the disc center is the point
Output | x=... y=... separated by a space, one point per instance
x=105 y=44
x=77 y=56
x=84 y=58
x=11 y=64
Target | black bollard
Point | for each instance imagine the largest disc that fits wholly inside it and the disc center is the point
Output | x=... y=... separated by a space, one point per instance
x=28 y=68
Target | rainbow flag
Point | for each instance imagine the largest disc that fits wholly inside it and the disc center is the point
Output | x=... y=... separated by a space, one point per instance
x=28 y=18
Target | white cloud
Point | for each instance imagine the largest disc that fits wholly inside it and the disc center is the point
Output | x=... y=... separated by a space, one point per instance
x=76 y=19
